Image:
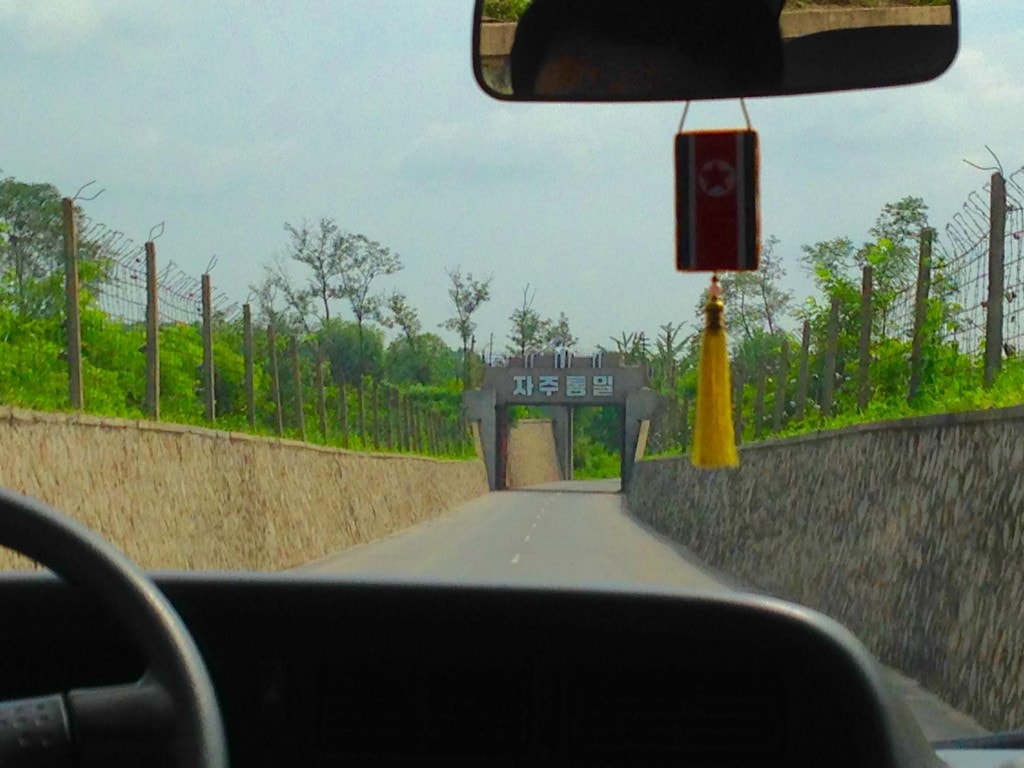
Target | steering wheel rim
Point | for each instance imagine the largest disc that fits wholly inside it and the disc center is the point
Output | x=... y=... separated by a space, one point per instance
x=176 y=673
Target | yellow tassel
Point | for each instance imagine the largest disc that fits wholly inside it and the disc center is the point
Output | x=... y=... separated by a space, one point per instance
x=714 y=441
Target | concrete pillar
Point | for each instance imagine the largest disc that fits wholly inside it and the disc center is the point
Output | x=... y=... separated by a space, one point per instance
x=640 y=407
x=561 y=426
x=480 y=405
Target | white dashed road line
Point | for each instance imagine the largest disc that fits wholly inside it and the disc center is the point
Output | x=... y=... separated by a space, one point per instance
x=515 y=559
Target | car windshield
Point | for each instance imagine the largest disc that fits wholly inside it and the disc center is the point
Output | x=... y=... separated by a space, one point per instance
x=281 y=288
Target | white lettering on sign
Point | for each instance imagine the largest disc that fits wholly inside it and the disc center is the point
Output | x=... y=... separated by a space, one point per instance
x=548 y=385
x=603 y=386
x=575 y=386
x=522 y=385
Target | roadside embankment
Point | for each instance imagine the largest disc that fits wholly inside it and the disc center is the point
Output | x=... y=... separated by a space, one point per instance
x=175 y=497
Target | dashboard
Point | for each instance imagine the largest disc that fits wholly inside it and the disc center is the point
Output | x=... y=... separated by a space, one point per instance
x=332 y=671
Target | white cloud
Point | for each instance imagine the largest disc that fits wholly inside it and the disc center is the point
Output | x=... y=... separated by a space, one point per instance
x=52 y=22
x=44 y=25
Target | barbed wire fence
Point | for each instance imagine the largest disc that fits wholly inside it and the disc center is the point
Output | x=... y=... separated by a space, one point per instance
x=961 y=316
x=1013 y=332
x=964 y=260
x=959 y=319
x=162 y=324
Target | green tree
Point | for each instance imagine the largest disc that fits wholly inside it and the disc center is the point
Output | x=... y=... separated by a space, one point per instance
x=32 y=248
x=415 y=357
x=467 y=294
x=361 y=261
x=668 y=347
x=557 y=334
x=505 y=10
x=351 y=352
x=279 y=302
x=597 y=442
x=634 y=347
x=401 y=314
x=318 y=250
x=893 y=255
x=424 y=359
x=756 y=301
x=836 y=265
x=528 y=329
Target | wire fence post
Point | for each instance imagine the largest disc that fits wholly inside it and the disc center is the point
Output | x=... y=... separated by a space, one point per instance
x=781 y=379
x=321 y=395
x=403 y=422
x=449 y=434
x=343 y=398
x=759 y=391
x=996 y=253
x=275 y=379
x=924 y=281
x=76 y=393
x=416 y=424
x=389 y=423
x=152 y=335
x=376 y=414
x=300 y=414
x=864 y=353
x=423 y=417
x=361 y=409
x=435 y=432
x=831 y=352
x=209 y=399
x=249 y=355
x=738 y=407
x=684 y=424
x=804 y=374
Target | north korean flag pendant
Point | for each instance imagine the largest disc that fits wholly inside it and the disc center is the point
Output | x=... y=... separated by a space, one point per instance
x=718 y=221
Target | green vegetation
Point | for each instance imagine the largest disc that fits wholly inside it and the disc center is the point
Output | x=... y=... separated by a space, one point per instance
x=761 y=315
x=363 y=377
x=367 y=376
x=596 y=442
x=505 y=10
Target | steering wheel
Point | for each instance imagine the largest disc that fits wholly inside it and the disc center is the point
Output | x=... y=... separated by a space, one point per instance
x=173 y=705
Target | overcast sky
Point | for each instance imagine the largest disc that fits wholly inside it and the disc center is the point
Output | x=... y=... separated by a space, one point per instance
x=228 y=119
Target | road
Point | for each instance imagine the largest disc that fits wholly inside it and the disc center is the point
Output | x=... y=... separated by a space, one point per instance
x=557 y=534
x=572 y=533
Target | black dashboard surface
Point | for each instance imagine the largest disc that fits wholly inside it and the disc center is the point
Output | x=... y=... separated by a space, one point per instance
x=317 y=671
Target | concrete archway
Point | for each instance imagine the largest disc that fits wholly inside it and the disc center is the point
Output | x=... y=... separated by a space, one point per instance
x=563 y=382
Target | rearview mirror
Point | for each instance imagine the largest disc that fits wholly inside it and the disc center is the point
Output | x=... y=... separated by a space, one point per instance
x=670 y=50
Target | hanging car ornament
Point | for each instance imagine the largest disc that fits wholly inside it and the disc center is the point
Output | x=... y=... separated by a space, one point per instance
x=718 y=229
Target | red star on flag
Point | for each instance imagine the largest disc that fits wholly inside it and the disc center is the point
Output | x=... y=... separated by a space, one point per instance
x=717 y=178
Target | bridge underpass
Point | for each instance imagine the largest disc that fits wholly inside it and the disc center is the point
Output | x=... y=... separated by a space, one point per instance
x=563 y=383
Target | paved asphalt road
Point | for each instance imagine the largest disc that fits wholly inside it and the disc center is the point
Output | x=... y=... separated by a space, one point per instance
x=560 y=533
x=570 y=533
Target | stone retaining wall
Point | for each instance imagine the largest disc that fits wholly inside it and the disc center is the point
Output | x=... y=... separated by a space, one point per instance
x=531 y=454
x=183 y=497
x=909 y=532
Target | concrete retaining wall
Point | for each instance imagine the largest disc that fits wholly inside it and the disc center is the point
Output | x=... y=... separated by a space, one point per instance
x=531 y=454
x=911 y=533
x=183 y=497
